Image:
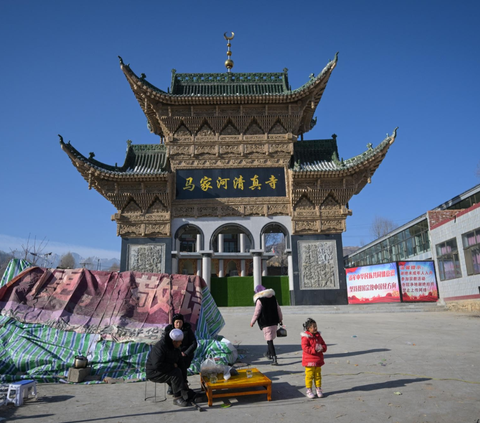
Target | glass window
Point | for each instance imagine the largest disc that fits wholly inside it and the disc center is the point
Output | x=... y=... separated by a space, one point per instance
x=447 y=260
x=471 y=249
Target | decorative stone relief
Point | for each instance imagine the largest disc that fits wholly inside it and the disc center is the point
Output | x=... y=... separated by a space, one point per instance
x=317 y=261
x=132 y=208
x=184 y=211
x=304 y=204
x=278 y=129
x=254 y=129
x=255 y=210
x=254 y=148
x=310 y=226
x=229 y=130
x=182 y=131
x=205 y=131
x=333 y=225
x=146 y=258
x=205 y=149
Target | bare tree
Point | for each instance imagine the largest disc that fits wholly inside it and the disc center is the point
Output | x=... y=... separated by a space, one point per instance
x=381 y=226
x=33 y=251
x=4 y=260
x=114 y=267
x=67 y=261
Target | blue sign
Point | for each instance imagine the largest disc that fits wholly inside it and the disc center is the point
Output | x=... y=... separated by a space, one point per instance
x=230 y=183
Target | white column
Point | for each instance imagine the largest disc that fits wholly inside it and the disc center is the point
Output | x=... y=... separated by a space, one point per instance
x=221 y=273
x=264 y=268
x=199 y=267
x=206 y=266
x=242 y=243
x=257 y=267
x=264 y=247
x=199 y=242
x=220 y=243
x=290 y=268
x=174 y=262
x=243 y=270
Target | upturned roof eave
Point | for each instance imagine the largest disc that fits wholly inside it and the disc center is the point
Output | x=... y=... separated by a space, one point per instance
x=362 y=161
x=146 y=89
x=99 y=168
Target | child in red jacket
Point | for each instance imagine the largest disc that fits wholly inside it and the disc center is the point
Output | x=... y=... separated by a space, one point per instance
x=313 y=347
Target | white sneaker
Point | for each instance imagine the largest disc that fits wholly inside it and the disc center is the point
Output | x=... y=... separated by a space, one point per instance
x=319 y=393
x=310 y=394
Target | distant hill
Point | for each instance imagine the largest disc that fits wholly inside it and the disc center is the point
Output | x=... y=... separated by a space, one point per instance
x=349 y=250
x=52 y=261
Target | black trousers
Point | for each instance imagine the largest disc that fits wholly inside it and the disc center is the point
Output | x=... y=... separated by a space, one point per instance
x=176 y=379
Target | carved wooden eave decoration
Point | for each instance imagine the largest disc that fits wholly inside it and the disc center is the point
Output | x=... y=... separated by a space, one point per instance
x=167 y=112
x=321 y=191
x=141 y=194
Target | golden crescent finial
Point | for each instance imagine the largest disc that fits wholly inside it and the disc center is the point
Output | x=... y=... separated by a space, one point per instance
x=229 y=38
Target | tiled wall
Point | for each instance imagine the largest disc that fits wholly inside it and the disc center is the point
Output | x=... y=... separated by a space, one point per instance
x=465 y=286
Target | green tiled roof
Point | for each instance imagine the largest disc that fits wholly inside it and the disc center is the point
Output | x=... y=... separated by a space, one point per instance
x=322 y=154
x=141 y=159
x=229 y=83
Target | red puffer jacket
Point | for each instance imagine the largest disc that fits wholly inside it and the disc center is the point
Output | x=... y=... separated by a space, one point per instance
x=311 y=357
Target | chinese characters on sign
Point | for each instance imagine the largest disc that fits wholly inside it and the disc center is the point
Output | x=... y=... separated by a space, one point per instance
x=418 y=281
x=373 y=284
x=230 y=183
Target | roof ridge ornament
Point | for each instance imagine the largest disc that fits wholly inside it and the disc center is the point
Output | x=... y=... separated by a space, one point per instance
x=229 y=61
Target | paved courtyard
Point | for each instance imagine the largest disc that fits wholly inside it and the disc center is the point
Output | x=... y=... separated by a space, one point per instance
x=394 y=363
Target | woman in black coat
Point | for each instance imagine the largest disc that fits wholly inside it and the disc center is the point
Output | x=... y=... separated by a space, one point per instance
x=189 y=343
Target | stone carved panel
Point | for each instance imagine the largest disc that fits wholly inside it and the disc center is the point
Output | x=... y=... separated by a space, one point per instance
x=177 y=149
x=230 y=149
x=207 y=211
x=304 y=204
x=184 y=211
x=132 y=208
x=254 y=129
x=205 y=131
x=206 y=149
x=306 y=226
x=157 y=229
x=182 y=131
x=146 y=258
x=230 y=130
x=333 y=225
x=278 y=129
x=281 y=148
x=318 y=265
x=254 y=148
x=254 y=210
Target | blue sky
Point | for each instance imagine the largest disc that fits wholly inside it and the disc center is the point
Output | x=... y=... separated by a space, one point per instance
x=411 y=64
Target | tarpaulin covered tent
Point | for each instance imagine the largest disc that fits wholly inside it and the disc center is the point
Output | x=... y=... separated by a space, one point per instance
x=49 y=316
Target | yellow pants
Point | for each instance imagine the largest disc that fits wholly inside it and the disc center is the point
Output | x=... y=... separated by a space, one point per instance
x=313 y=374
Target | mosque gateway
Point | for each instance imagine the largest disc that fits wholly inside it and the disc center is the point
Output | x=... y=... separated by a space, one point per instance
x=230 y=169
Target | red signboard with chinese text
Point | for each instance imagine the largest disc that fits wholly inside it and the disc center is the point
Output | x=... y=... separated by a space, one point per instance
x=418 y=281
x=373 y=284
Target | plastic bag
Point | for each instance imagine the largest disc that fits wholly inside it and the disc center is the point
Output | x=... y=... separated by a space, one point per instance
x=208 y=366
x=226 y=373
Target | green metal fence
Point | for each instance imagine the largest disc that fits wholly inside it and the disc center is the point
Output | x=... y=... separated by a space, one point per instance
x=237 y=291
